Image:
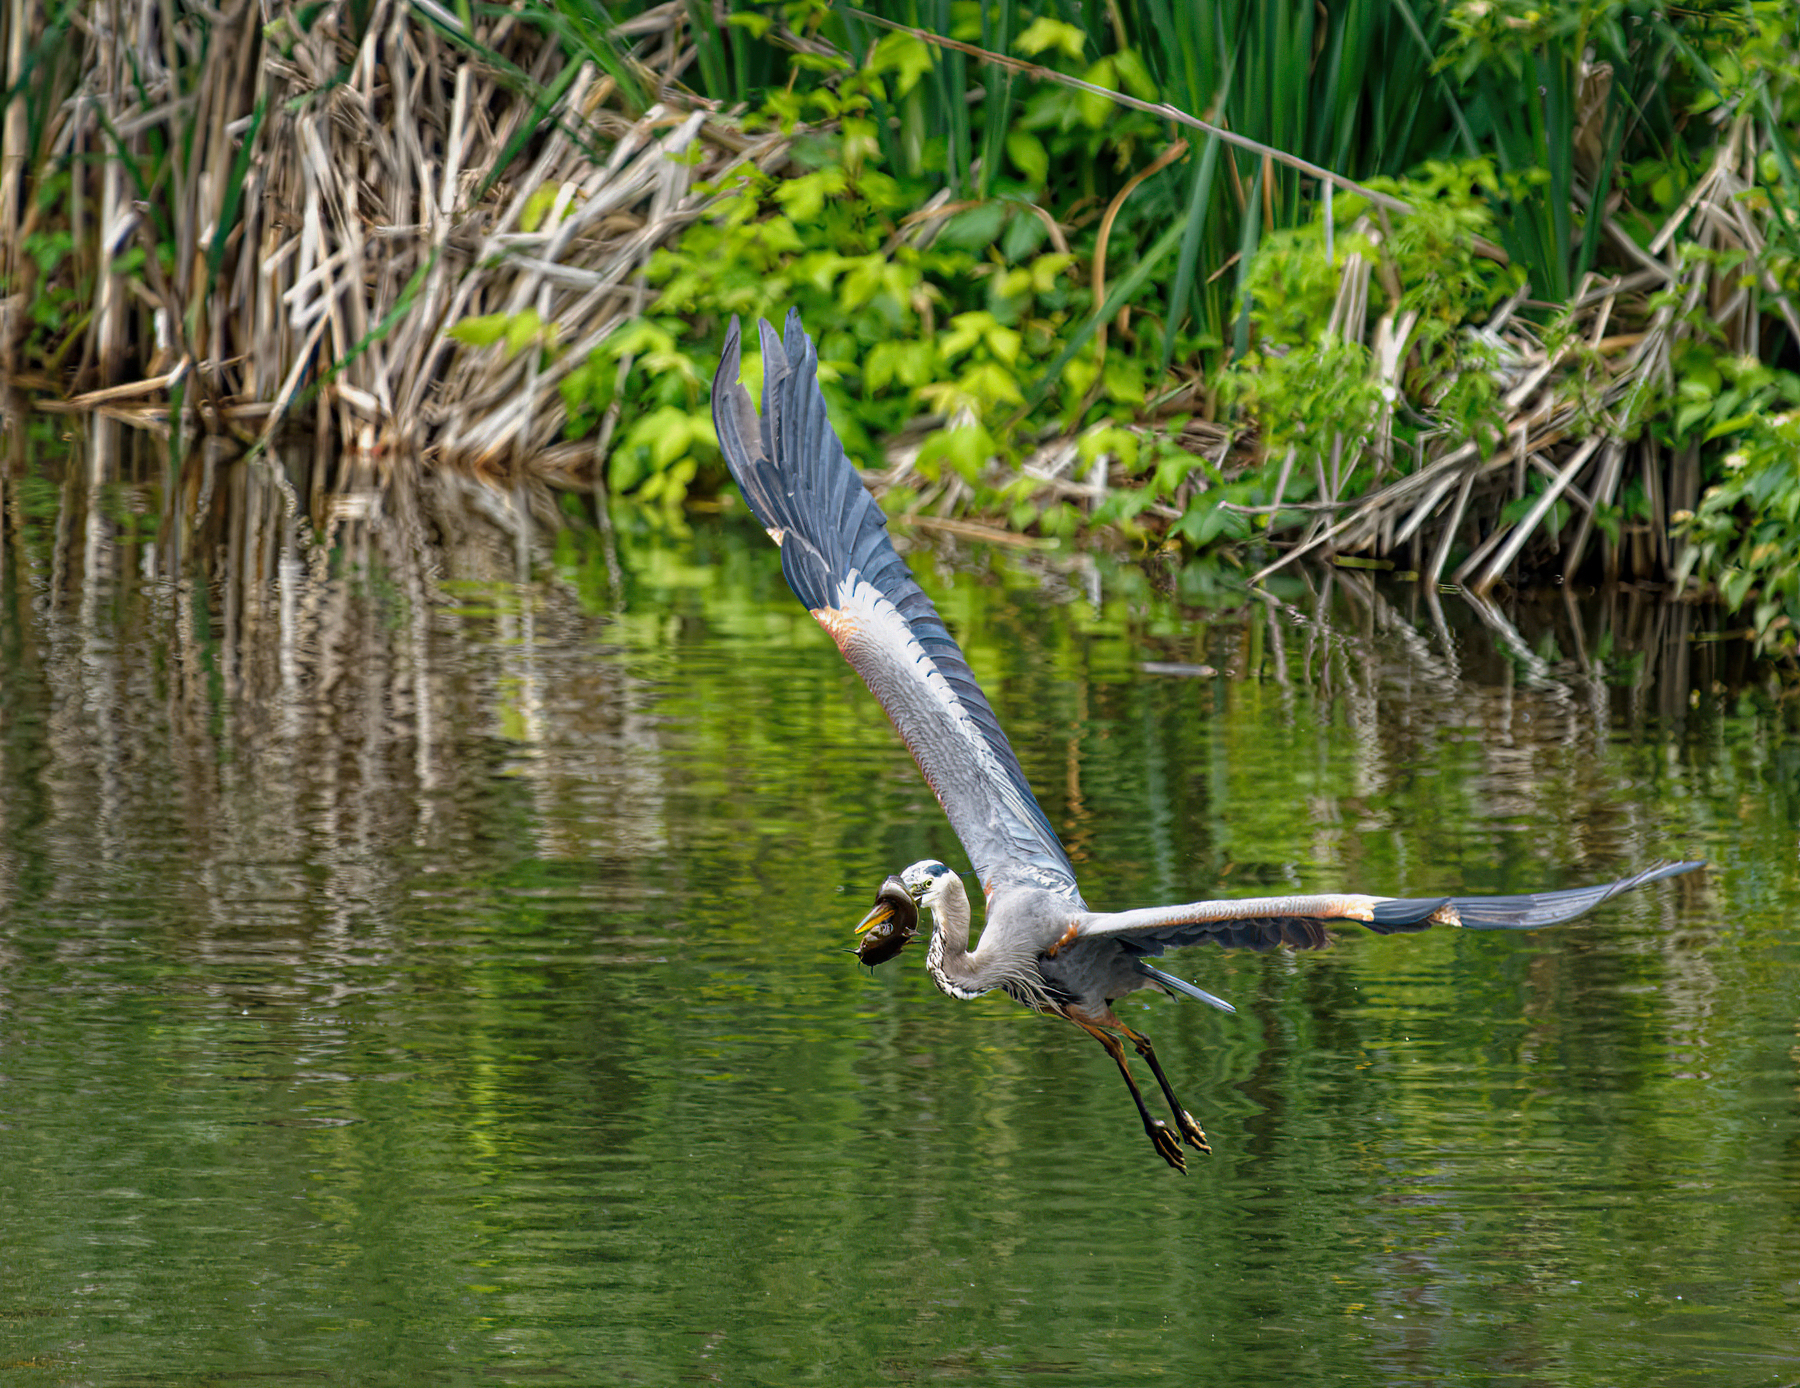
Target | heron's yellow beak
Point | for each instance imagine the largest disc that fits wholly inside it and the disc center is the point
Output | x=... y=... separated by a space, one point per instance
x=882 y=912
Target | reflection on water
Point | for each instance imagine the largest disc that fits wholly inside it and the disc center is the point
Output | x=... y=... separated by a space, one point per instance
x=422 y=956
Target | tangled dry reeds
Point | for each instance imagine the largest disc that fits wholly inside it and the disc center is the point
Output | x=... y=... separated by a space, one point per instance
x=291 y=239
x=1572 y=411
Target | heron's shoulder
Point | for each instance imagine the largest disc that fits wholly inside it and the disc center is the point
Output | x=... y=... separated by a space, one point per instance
x=1033 y=909
x=1026 y=884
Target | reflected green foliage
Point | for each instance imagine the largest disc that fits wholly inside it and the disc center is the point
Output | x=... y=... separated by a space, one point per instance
x=413 y=966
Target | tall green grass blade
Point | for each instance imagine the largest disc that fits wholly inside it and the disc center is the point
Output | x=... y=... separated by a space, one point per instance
x=1251 y=237
x=710 y=49
x=1116 y=297
x=1187 y=266
x=1428 y=53
x=1174 y=62
x=585 y=30
x=234 y=190
x=1556 y=79
x=996 y=36
x=952 y=71
x=1595 y=223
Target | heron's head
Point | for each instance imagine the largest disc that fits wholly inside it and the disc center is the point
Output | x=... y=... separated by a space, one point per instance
x=894 y=920
x=925 y=881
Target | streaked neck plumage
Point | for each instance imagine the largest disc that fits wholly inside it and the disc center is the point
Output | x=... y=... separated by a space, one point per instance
x=964 y=973
x=947 y=958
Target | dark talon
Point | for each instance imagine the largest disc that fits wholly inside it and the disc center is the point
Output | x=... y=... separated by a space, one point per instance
x=1168 y=1148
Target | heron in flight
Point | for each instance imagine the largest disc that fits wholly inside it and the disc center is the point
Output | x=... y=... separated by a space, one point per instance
x=1041 y=944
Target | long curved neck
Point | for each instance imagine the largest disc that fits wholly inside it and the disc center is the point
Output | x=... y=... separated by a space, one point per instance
x=947 y=959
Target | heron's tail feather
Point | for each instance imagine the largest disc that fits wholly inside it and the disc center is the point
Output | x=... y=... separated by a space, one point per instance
x=1181 y=985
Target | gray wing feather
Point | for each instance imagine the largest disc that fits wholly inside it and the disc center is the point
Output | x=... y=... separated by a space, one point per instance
x=1525 y=912
x=837 y=558
x=1299 y=921
x=1181 y=985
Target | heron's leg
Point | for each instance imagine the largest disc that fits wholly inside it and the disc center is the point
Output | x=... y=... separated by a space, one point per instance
x=1190 y=1128
x=1160 y=1136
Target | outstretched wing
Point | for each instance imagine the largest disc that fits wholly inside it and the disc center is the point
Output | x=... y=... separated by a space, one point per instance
x=840 y=563
x=1300 y=921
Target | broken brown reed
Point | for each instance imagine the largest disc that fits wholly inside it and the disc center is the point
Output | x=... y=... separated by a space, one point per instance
x=1571 y=412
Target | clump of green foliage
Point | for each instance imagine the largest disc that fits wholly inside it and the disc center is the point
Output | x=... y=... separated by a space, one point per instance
x=1744 y=536
x=1317 y=396
x=967 y=317
x=971 y=318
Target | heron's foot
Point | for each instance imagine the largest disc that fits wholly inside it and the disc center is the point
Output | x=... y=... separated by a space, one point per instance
x=1166 y=1146
x=1193 y=1134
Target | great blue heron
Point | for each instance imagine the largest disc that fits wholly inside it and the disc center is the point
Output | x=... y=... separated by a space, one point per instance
x=1041 y=945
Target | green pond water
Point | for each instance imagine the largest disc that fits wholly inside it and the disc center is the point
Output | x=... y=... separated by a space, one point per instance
x=424 y=963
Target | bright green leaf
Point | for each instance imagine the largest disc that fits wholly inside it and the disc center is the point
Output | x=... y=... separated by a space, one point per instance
x=904 y=55
x=1097 y=110
x=483 y=331
x=1044 y=33
x=1028 y=156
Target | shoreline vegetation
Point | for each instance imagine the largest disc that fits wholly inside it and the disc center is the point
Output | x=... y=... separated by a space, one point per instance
x=1479 y=291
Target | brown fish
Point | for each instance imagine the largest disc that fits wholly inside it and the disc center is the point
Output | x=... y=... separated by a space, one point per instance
x=886 y=930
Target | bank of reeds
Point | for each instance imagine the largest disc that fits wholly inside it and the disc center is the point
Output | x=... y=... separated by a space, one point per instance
x=1572 y=409
x=262 y=223
x=403 y=225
